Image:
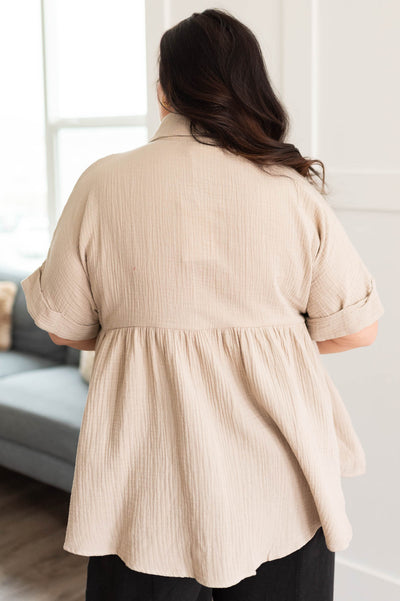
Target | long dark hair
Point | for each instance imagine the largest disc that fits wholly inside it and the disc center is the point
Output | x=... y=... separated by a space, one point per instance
x=212 y=70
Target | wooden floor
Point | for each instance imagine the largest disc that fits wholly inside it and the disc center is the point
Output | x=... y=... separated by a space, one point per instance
x=33 y=564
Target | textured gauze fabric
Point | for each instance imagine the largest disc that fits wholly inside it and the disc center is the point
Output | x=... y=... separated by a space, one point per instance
x=213 y=439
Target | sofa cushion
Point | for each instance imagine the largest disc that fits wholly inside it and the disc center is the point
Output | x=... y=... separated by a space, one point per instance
x=26 y=336
x=43 y=409
x=14 y=362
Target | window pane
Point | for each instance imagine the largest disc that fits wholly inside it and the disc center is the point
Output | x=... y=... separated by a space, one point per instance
x=80 y=147
x=97 y=57
x=23 y=211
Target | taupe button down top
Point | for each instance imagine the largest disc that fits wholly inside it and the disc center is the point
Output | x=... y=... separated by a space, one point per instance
x=213 y=439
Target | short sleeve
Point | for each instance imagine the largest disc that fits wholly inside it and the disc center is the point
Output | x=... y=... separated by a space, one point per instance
x=343 y=298
x=58 y=293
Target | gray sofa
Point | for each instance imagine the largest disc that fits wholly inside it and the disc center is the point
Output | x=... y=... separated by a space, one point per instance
x=42 y=399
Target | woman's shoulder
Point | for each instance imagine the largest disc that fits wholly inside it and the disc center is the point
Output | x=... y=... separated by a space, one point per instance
x=309 y=193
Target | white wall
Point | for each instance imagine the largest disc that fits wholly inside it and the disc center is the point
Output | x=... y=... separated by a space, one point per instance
x=335 y=66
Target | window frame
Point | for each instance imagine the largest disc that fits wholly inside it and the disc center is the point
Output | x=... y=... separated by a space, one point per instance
x=155 y=20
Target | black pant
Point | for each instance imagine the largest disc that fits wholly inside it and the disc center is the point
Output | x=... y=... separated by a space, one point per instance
x=305 y=575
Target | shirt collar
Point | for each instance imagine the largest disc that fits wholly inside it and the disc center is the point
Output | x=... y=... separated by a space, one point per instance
x=173 y=124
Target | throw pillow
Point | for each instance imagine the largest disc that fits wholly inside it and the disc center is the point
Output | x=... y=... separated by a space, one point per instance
x=8 y=291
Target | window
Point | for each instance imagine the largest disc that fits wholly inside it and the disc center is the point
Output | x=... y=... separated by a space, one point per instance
x=75 y=90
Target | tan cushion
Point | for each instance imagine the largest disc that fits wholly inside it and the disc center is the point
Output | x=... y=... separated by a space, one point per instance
x=8 y=291
x=86 y=364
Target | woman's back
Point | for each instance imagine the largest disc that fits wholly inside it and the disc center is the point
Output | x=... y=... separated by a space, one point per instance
x=196 y=237
x=213 y=438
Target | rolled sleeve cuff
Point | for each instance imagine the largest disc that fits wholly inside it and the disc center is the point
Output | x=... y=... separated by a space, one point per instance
x=48 y=319
x=349 y=320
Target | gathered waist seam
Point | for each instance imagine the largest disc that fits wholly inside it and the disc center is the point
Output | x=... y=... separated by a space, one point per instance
x=259 y=327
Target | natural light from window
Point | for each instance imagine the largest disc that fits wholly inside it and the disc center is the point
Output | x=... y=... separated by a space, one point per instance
x=72 y=93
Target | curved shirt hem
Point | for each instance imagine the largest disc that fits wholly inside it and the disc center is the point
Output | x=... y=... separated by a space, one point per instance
x=223 y=583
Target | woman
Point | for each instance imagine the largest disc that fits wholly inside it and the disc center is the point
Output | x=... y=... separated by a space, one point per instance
x=208 y=272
